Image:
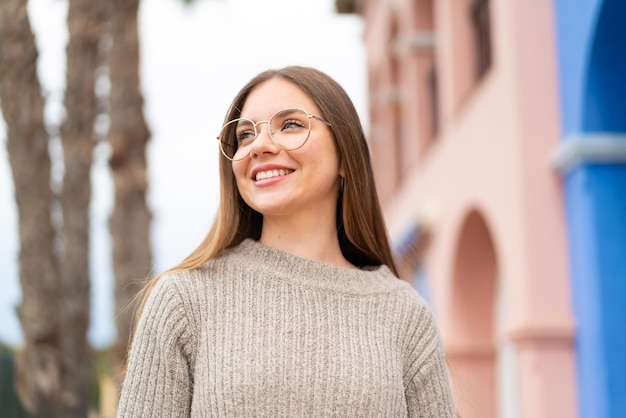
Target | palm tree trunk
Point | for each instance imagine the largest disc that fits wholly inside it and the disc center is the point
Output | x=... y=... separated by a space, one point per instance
x=38 y=367
x=128 y=136
x=85 y=24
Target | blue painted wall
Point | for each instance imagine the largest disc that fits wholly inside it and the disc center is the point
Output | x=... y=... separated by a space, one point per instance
x=605 y=83
x=591 y=44
x=575 y=23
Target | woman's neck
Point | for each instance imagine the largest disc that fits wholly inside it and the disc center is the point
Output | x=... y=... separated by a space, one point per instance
x=312 y=238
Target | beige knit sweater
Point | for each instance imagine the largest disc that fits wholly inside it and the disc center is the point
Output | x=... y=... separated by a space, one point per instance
x=260 y=332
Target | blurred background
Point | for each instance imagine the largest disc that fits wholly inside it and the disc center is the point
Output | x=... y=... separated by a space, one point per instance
x=498 y=135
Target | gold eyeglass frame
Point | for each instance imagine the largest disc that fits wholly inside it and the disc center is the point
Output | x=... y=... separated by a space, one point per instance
x=256 y=132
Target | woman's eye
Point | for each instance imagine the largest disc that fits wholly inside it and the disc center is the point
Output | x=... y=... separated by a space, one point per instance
x=292 y=124
x=245 y=136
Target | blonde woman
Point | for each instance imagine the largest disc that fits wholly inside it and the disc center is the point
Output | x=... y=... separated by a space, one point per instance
x=291 y=306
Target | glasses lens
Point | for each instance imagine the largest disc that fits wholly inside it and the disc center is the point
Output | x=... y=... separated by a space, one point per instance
x=236 y=137
x=290 y=128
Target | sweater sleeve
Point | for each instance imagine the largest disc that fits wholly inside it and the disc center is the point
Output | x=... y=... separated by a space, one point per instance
x=158 y=380
x=427 y=387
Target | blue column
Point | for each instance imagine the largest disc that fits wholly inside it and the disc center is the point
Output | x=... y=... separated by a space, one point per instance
x=596 y=216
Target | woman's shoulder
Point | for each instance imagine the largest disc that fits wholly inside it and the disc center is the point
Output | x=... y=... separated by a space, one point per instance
x=409 y=299
x=186 y=282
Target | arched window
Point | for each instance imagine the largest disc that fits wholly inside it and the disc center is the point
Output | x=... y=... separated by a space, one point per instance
x=481 y=27
x=433 y=95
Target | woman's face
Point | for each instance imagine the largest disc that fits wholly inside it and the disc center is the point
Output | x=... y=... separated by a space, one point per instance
x=279 y=183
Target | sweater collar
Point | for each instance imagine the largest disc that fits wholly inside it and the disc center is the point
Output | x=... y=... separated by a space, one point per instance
x=278 y=264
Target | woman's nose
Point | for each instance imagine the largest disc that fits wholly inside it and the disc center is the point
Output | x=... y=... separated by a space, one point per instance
x=264 y=142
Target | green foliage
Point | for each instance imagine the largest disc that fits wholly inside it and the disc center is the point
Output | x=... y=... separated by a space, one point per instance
x=4 y=348
x=11 y=405
x=102 y=367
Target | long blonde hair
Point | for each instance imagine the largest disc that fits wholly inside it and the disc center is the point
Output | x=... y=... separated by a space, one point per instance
x=360 y=224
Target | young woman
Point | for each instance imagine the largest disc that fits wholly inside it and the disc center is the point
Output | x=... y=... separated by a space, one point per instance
x=291 y=306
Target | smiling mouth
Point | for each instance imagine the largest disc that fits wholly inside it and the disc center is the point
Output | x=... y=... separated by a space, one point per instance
x=263 y=175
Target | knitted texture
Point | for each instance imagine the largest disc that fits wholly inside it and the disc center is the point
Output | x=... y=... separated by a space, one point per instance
x=261 y=332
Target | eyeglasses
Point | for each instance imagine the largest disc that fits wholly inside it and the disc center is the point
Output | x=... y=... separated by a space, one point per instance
x=288 y=128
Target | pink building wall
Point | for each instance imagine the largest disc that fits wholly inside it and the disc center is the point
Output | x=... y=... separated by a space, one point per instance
x=479 y=181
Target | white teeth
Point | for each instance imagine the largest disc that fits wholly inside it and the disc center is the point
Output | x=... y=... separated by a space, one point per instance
x=262 y=175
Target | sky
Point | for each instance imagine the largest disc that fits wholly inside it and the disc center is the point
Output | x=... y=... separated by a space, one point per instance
x=194 y=59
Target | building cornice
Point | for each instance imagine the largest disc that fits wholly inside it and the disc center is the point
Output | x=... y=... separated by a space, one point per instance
x=592 y=148
x=414 y=41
